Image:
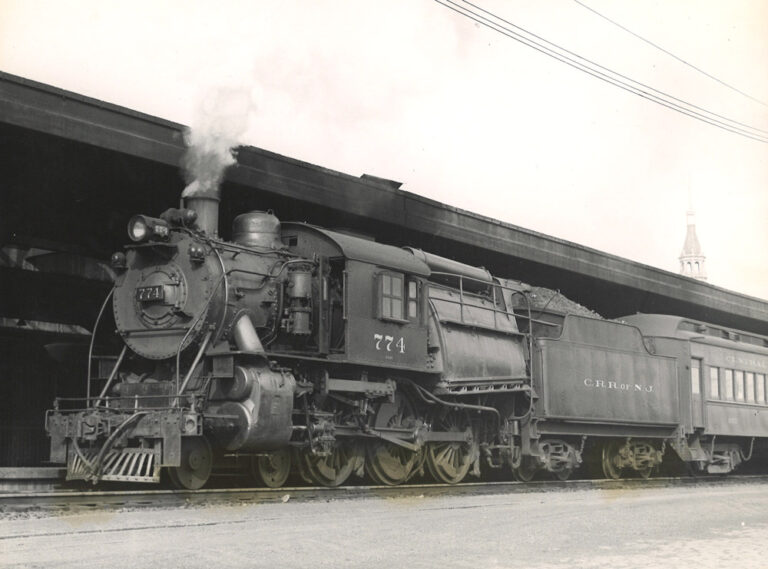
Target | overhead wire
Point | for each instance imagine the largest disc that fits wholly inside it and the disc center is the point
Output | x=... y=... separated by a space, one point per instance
x=594 y=69
x=619 y=80
x=669 y=53
x=616 y=73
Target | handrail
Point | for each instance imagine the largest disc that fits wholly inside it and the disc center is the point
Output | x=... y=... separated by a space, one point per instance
x=93 y=339
x=473 y=279
x=200 y=314
x=508 y=310
x=494 y=310
x=495 y=323
x=120 y=397
x=173 y=405
x=198 y=357
x=481 y=326
x=113 y=374
x=139 y=331
x=225 y=303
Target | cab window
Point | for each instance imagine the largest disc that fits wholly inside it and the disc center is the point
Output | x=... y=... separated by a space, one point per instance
x=413 y=300
x=398 y=297
x=391 y=295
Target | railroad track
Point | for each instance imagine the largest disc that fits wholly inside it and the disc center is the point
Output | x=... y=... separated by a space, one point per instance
x=66 y=502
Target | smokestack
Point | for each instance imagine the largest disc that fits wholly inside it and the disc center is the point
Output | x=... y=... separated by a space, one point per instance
x=205 y=202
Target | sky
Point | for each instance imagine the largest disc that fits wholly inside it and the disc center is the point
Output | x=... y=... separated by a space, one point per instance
x=410 y=90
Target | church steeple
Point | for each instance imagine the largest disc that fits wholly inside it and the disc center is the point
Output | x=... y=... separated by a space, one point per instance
x=691 y=259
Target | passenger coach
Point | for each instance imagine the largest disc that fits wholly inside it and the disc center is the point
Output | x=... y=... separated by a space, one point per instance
x=724 y=406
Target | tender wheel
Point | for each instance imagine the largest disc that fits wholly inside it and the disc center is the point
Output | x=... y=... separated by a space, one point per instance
x=563 y=475
x=333 y=469
x=695 y=469
x=196 y=464
x=526 y=471
x=272 y=469
x=645 y=473
x=449 y=462
x=610 y=452
x=387 y=463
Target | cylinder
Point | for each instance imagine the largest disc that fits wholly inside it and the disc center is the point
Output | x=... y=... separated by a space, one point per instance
x=263 y=421
x=239 y=386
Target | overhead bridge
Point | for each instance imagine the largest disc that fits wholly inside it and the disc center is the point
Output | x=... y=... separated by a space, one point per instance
x=68 y=158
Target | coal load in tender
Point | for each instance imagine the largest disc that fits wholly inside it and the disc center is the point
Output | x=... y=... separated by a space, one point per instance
x=546 y=299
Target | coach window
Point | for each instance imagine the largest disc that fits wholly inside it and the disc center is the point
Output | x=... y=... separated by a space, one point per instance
x=738 y=382
x=695 y=377
x=728 y=385
x=764 y=381
x=391 y=296
x=760 y=388
x=714 y=383
x=749 y=387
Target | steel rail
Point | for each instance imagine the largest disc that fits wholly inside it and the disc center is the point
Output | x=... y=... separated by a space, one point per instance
x=59 y=503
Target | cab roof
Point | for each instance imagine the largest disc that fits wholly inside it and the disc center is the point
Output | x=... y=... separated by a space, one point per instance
x=367 y=251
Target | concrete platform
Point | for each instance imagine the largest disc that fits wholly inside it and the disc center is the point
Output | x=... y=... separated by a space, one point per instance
x=717 y=527
x=31 y=479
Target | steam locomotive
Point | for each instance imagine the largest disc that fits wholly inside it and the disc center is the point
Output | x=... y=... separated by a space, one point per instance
x=296 y=347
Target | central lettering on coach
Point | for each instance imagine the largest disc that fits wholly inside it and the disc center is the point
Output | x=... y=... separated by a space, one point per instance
x=618 y=386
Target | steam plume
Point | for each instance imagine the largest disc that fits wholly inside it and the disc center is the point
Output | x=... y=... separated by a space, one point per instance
x=221 y=122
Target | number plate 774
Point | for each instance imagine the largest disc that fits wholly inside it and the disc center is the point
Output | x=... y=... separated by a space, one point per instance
x=388 y=343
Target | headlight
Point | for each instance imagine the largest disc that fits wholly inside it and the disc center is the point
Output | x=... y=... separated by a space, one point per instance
x=137 y=229
x=142 y=228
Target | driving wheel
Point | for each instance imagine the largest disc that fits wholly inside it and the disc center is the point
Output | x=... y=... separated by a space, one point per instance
x=389 y=463
x=449 y=462
x=332 y=469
